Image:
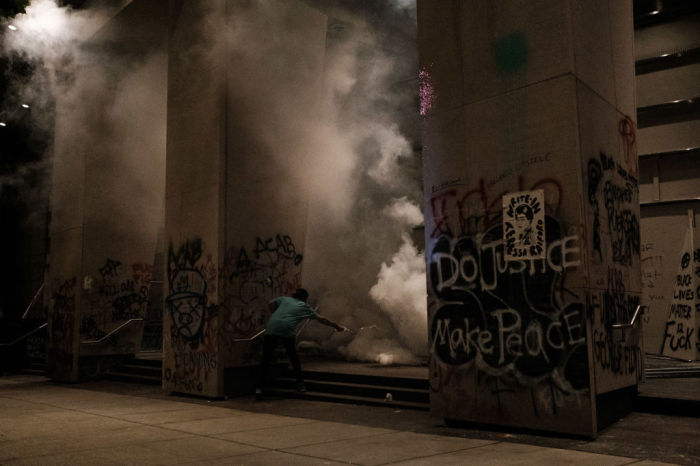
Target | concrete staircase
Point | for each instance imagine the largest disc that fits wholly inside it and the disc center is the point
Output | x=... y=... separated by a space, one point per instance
x=34 y=367
x=143 y=370
x=378 y=389
x=372 y=390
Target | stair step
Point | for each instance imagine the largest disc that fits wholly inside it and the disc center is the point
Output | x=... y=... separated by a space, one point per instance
x=128 y=377
x=145 y=368
x=361 y=400
x=144 y=362
x=374 y=380
x=136 y=369
x=363 y=390
x=662 y=373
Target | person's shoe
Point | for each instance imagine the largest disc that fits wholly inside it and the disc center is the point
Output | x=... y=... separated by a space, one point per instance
x=301 y=388
x=258 y=394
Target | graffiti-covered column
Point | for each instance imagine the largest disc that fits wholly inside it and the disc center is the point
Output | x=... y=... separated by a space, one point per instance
x=532 y=254
x=241 y=84
x=270 y=105
x=194 y=199
x=107 y=193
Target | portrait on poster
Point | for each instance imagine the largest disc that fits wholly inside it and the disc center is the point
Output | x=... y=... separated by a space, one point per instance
x=523 y=225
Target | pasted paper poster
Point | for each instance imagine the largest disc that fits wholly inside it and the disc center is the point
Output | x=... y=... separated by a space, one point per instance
x=523 y=225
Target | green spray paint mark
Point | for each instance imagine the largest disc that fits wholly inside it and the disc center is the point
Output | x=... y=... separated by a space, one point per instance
x=511 y=53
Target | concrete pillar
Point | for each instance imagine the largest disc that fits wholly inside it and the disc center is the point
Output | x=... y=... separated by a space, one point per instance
x=531 y=202
x=194 y=199
x=235 y=198
x=107 y=191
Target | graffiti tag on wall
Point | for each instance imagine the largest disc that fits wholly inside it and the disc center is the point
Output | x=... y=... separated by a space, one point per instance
x=271 y=269
x=204 y=321
x=457 y=213
x=186 y=303
x=612 y=188
x=504 y=315
x=192 y=281
x=513 y=320
x=613 y=195
x=122 y=294
x=680 y=338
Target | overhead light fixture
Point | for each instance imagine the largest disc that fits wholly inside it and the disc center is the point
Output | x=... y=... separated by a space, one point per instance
x=12 y=27
x=25 y=106
x=2 y=123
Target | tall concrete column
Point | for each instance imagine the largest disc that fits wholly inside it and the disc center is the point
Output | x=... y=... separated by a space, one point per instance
x=240 y=73
x=531 y=203
x=107 y=192
x=194 y=198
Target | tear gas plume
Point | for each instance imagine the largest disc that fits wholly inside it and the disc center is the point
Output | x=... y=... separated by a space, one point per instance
x=49 y=37
x=103 y=108
x=349 y=134
x=360 y=262
x=400 y=292
x=369 y=254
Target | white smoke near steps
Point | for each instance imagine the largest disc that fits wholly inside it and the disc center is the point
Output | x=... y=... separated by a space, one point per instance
x=392 y=329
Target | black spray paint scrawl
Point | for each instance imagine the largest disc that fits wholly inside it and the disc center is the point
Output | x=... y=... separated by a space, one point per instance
x=523 y=225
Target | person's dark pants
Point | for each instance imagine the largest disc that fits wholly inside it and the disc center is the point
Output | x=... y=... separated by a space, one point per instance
x=270 y=343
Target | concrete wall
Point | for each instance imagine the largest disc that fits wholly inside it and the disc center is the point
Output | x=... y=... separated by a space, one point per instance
x=515 y=98
x=669 y=183
x=235 y=201
x=107 y=189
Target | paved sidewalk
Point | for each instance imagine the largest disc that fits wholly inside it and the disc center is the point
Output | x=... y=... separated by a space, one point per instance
x=47 y=424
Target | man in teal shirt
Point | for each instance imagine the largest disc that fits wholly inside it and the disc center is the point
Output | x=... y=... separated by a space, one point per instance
x=281 y=328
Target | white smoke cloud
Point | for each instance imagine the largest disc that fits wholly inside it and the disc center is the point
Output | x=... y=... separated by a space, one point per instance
x=404 y=4
x=47 y=38
x=392 y=146
x=52 y=34
x=43 y=42
x=368 y=346
x=400 y=292
x=365 y=195
x=100 y=112
x=405 y=211
x=45 y=28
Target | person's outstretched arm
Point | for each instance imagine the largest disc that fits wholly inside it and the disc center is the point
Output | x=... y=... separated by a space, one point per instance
x=330 y=323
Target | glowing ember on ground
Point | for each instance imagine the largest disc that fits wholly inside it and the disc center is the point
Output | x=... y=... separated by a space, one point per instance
x=385 y=359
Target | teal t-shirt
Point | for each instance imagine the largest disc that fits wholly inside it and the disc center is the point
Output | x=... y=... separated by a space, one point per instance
x=289 y=312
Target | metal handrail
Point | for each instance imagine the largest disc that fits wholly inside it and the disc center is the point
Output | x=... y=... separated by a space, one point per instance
x=92 y=342
x=302 y=326
x=31 y=303
x=260 y=332
x=634 y=318
x=25 y=335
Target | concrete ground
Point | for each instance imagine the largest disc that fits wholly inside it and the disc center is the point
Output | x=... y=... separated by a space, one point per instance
x=109 y=423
